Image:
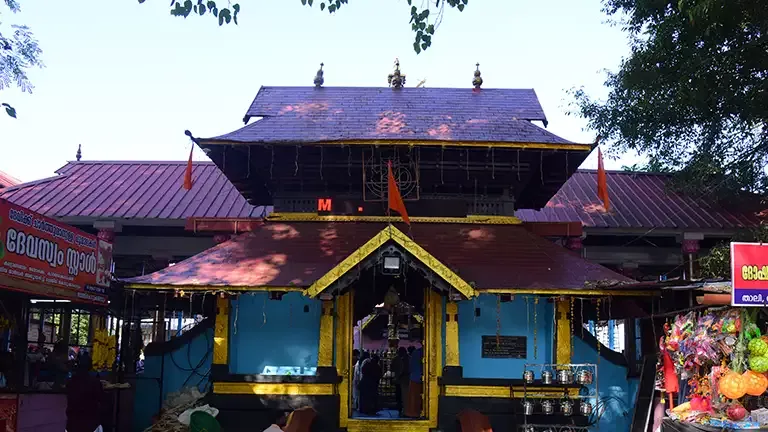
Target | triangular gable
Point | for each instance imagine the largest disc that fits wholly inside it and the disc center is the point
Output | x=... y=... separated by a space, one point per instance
x=390 y=232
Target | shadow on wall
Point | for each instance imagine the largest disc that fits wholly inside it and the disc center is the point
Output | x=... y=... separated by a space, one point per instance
x=274 y=336
x=519 y=317
x=617 y=392
x=182 y=365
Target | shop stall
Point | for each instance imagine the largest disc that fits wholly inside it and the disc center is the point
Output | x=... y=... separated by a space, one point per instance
x=54 y=311
x=713 y=361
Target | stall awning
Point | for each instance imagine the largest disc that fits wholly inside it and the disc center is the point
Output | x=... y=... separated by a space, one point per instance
x=294 y=255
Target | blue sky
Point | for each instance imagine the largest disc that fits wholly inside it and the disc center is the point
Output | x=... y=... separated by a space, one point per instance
x=125 y=80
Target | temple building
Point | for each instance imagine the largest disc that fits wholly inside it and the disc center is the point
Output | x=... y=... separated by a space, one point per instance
x=481 y=296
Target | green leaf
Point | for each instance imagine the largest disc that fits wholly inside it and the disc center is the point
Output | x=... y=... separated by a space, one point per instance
x=431 y=29
x=309 y=2
x=11 y=111
x=322 y=6
x=304 y=2
x=424 y=45
x=460 y=7
x=416 y=47
x=331 y=8
x=413 y=10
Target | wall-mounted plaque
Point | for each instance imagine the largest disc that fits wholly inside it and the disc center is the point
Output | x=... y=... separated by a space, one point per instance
x=515 y=347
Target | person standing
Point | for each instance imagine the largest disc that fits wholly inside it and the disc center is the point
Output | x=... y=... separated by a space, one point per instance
x=84 y=397
x=413 y=406
x=401 y=369
x=369 y=386
x=357 y=375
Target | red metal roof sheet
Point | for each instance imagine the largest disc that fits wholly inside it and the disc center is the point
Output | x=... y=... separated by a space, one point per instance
x=6 y=180
x=133 y=190
x=638 y=200
x=297 y=254
x=153 y=190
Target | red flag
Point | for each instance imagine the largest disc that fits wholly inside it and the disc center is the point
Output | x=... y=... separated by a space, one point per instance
x=602 y=182
x=395 y=200
x=188 y=171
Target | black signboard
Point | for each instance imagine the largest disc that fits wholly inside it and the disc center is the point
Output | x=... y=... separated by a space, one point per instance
x=515 y=347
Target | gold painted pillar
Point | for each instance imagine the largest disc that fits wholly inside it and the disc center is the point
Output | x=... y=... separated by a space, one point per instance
x=344 y=353
x=325 y=347
x=221 y=332
x=563 y=330
x=433 y=353
x=451 y=334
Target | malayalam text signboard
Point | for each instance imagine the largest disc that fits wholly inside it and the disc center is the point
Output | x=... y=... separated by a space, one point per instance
x=39 y=255
x=749 y=273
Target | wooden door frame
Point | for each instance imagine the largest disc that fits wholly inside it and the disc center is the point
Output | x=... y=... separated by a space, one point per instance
x=432 y=366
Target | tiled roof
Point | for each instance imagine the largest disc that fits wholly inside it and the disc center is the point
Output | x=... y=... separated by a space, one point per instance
x=7 y=180
x=309 y=114
x=132 y=190
x=297 y=254
x=638 y=200
x=153 y=190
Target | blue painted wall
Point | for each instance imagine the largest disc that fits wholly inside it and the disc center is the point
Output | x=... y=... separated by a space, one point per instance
x=185 y=367
x=267 y=333
x=515 y=321
x=616 y=391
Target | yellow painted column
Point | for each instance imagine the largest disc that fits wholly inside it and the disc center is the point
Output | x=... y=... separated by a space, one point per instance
x=563 y=330
x=451 y=334
x=221 y=332
x=344 y=353
x=325 y=347
x=433 y=353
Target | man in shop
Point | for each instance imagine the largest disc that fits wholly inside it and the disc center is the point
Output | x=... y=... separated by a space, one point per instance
x=84 y=397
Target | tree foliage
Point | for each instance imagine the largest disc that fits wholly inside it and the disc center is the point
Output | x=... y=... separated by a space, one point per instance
x=19 y=51
x=692 y=95
x=716 y=264
x=424 y=19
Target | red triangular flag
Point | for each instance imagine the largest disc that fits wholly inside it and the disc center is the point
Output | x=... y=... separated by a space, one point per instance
x=188 y=171
x=395 y=200
x=602 y=182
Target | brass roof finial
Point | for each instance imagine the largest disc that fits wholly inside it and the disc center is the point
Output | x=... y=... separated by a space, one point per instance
x=79 y=154
x=478 y=80
x=396 y=80
x=319 y=80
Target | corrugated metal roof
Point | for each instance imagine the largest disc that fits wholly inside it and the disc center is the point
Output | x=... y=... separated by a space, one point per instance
x=638 y=200
x=6 y=180
x=297 y=254
x=309 y=114
x=152 y=190
x=132 y=190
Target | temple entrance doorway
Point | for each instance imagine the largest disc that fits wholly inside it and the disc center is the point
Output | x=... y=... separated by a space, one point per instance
x=388 y=346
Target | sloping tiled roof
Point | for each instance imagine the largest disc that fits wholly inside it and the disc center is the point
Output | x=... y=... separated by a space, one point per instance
x=297 y=254
x=309 y=114
x=133 y=190
x=638 y=200
x=7 y=180
x=153 y=190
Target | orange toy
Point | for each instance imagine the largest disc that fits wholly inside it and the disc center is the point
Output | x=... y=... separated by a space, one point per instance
x=756 y=383
x=733 y=385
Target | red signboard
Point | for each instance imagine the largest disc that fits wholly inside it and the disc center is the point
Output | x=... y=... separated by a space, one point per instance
x=749 y=273
x=41 y=256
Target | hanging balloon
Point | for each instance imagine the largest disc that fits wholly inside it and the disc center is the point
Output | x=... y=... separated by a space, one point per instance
x=755 y=383
x=732 y=385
